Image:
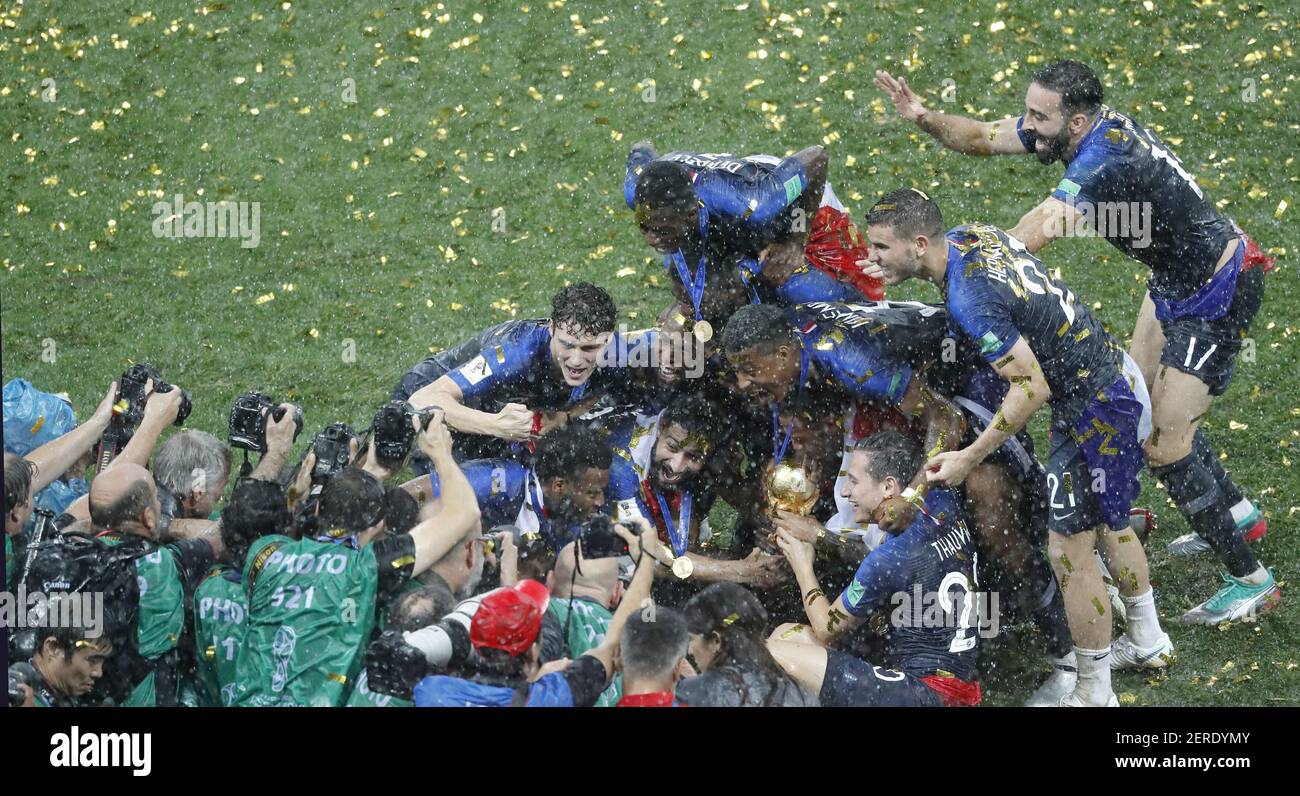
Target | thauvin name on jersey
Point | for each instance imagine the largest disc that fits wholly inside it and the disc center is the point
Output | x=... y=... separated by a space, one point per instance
x=103 y=750
x=953 y=542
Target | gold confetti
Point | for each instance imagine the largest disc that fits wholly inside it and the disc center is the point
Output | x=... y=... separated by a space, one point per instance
x=264 y=298
x=622 y=272
x=1281 y=208
x=997 y=26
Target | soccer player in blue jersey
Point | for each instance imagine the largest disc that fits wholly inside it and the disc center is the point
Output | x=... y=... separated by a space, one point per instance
x=1052 y=351
x=1206 y=285
x=564 y=485
x=519 y=379
x=737 y=230
x=660 y=474
x=930 y=654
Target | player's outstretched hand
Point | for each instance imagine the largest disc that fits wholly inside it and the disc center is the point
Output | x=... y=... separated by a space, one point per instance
x=899 y=93
x=766 y=570
x=800 y=526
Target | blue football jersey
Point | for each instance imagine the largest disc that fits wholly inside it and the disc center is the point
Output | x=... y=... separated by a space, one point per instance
x=866 y=350
x=924 y=579
x=996 y=293
x=1120 y=168
x=499 y=484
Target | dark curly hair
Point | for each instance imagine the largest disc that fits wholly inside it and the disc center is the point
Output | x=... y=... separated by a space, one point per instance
x=584 y=308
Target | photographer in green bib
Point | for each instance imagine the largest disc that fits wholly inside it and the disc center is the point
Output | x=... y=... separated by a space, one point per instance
x=312 y=601
x=257 y=509
x=146 y=606
x=583 y=599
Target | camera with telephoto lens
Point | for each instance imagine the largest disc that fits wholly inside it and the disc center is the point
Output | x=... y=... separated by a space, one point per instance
x=131 y=398
x=394 y=667
x=248 y=421
x=393 y=433
x=598 y=538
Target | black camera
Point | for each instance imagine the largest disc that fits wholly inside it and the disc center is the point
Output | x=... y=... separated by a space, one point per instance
x=393 y=433
x=131 y=391
x=128 y=409
x=22 y=674
x=333 y=451
x=248 y=421
x=598 y=538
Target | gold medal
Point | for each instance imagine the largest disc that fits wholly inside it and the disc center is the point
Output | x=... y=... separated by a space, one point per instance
x=703 y=331
x=682 y=567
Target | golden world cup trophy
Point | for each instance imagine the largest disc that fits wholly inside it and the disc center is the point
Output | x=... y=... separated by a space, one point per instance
x=790 y=488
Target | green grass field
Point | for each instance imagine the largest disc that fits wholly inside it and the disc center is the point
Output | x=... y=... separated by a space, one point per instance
x=377 y=216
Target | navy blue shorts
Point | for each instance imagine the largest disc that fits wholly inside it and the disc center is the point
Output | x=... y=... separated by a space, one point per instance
x=853 y=683
x=1207 y=349
x=1093 y=466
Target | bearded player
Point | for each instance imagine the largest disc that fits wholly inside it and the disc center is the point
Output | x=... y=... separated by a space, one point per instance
x=1206 y=285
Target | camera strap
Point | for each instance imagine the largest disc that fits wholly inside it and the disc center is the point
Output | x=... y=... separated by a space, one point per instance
x=109 y=446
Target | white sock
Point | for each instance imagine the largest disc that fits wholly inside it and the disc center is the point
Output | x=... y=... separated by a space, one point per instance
x=1256 y=578
x=1093 y=686
x=1143 y=621
x=1242 y=510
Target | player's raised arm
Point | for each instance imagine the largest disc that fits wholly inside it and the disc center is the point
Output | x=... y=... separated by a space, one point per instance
x=514 y=421
x=958 y=133
x=814 y=160
x=1045 y=223
x=1029 y=392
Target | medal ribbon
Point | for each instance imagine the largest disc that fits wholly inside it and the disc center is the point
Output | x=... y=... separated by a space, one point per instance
x=779 y=448
x=694 y=283
x=680 y=536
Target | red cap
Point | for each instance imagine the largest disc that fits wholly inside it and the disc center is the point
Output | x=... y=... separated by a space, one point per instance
x=510 y=619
